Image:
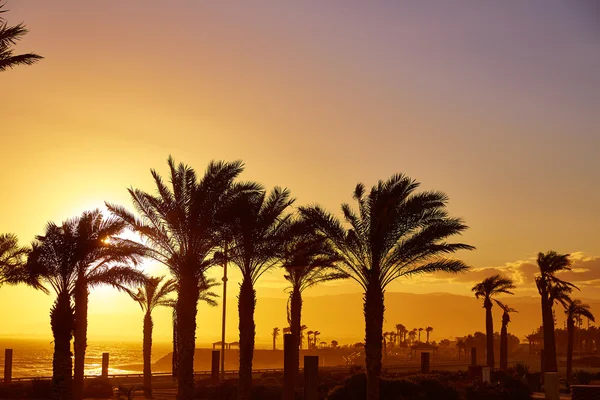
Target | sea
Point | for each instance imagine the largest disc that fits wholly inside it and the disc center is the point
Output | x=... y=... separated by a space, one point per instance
x=33 y=357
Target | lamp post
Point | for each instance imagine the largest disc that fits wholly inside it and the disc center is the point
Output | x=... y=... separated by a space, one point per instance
x=224 y=311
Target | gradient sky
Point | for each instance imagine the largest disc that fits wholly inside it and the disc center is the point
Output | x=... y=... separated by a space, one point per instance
x=495 y=103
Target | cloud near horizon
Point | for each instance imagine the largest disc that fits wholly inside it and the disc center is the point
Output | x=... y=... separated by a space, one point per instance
x=585 y=273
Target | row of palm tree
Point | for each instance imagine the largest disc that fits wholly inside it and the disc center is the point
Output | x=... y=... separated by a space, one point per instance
x=192 y=224
x=398 y=337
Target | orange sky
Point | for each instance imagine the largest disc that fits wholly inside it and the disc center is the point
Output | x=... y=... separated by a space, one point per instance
x=494 y=104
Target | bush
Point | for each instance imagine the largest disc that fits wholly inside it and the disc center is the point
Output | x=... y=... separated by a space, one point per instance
x=512 y=389
x=582 y=377
x=40 y=389
x=98 y=388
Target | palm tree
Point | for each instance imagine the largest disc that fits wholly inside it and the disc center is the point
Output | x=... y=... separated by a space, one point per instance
x=504 y=334
x=428 y=330
x=420 y=330
x=99 y=257
x=307 y=261
x=258 y=225
x=302 y=329
x=52 y=261
x=552 y=290
x=486 y=289
x=308 y=339
x=396 y=233
x=275 y=334
x=9 y=36
x=12 y=257
x=401 y=331
x=180 y=230
x=574 y=309
x=412 y=335
x=315 y=340
x=151 y=295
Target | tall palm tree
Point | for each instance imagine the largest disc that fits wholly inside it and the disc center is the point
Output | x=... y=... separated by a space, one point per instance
x=401 y=331
x=412 y=335
x=275 y=335
x=9 y=36
x=486 y=290
x=428 y=330
x=52 y=261
x=307 y=261
x=552 y=290
x=573 y=310
x=149 y=296
x=258 y=224
x=309 y=339
x=506 y=310
x=12 y=258
x=101 y=258
x=179 y=228
x=302 y=329
x=420 y=330
x=395 y=233
x=315 y=338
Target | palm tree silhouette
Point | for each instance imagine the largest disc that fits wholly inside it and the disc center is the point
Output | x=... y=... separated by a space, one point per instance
x=574 y=309
x=412 y=335
x=396 y=233
x=302 y=329
x=9 y=36
x=428 y=330
x=551 y=290
x=307 y=261
x=258 y=224
x=486 y=289
x=12 y=258
x=53 y=261
x=504 y=335
x=275 y=334
x=420 y=330
x=149 y=296
x=180 y=228
x=401 y=332
x=100 y=258
x=308 y=339
x=315 y=340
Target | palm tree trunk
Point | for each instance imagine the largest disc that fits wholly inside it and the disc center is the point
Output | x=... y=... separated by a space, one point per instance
x=62 y=321
x=373 y=311
x=549 y=340
x=570 y=332
x=187 y=306
x=504 y=347
x=489 y=335
x=295 y=323
x=80 y=344
x=148 y=324
x=246 y=305
x=175 y=358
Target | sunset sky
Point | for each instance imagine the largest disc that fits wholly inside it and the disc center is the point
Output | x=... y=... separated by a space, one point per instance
x=495 y=103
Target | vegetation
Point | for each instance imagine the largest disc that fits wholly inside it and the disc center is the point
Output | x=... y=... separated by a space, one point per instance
x=396 y=233
x=552 y=290
x=506 y=310
x=12 y=258
x=9 y=36
x=486 y=289
x=574 y=310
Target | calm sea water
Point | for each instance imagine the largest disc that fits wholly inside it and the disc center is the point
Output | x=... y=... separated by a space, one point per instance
x=33 y=357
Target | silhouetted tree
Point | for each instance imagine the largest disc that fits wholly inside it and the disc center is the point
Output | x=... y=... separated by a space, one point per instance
x=52 y=261
x=428 y=330
x=486 y=289
x=504 y=335
x=573 y=310
x=551 y=290
x=334 y=344
x=275 y=335
x=401 y=332
x=101 y=258
x=309 y=339
x=258 y=224
x=12 y=258
x=180 y=229
x=396 y=233
x=151 y=295
x=9 y=36
x=420 y=330
x=307 y=260
x=412 y=335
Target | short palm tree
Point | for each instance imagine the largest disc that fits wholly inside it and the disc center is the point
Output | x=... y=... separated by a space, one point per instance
x=428 y=330
x=420 y=330
x=149 y=296
x=275 y=334
x=52 y=262
x=9 y=36
x=552 y=290
x=574 y=309
x=486 y=290
x=396 y=232
x=412 y=335
x=506 y=310
x=12 y=258
x=307 y=261
x=258 y=224
x=309 y=339
x=179 y=228
x=101 y=258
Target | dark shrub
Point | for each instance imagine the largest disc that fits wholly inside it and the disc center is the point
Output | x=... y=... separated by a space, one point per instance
x=40 y=389
x=353 y=388
x=98 y=388
x=513 y=389
x=582 y=377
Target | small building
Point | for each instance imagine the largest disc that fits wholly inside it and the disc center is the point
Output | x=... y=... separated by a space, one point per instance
x=417 y=349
